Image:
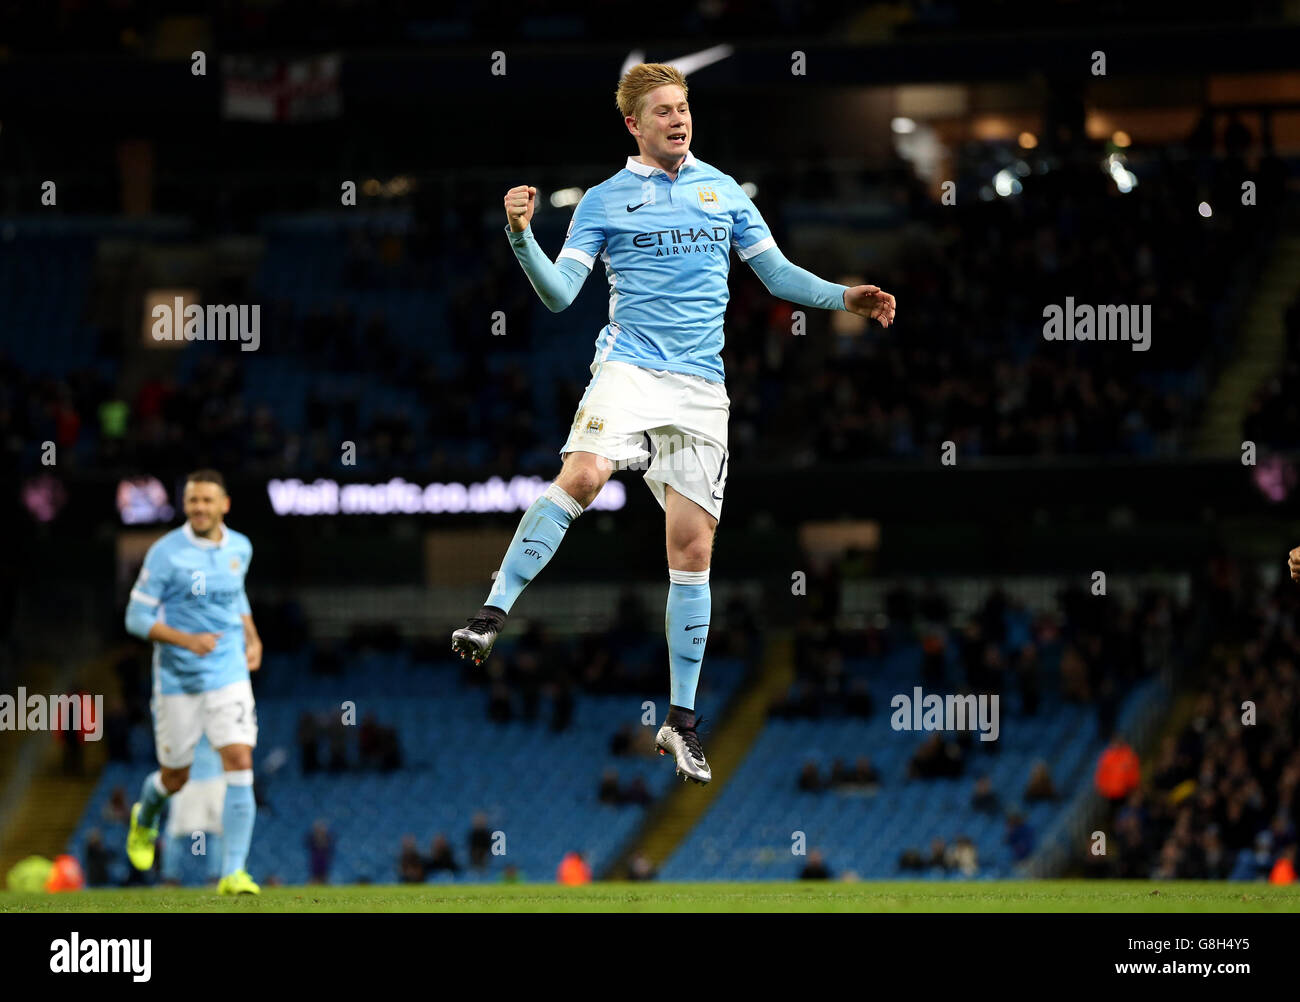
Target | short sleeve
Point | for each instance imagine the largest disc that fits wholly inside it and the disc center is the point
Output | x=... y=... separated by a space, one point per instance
x=749 y=233
x=151 y=582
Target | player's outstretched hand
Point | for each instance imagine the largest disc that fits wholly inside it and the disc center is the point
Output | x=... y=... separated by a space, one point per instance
x=1293 y=562
x=520 y=203
x=870 y=302
x=203 y=643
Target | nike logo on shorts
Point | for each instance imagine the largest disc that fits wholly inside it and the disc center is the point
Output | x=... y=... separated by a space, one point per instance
x=696 y=626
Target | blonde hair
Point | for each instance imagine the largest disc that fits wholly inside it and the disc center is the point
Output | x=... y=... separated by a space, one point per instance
x=640 y=80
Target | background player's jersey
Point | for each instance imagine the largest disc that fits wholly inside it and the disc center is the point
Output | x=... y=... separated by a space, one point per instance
x=666 y=246
x=195 y=585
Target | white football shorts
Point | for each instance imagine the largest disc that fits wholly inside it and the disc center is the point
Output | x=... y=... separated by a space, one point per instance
x=670 y=424
x=226 y=715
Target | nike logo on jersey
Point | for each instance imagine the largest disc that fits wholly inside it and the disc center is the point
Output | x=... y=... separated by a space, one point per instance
x=633 y=208
x=696 y=626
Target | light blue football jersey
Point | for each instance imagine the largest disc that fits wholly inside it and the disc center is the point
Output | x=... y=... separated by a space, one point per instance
x=666 y=246
x=195 y=585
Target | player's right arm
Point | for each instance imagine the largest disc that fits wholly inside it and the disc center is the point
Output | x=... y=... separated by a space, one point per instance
x=557 y=283
x=142 y=609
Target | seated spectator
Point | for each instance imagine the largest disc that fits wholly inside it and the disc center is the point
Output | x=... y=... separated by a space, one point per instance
x=865 y=775
x=1040 y=786
x=1019 y=836
x=640 y=868
x=810 y=780
x=320 y=853
x=1215 y=861
x=97 y=859
x=984 y=799
x=621 y=743
x=862 y=776
x=441 y=856
x=815 y=868
x=938 y=854
x=636 y=793
x=963 y=857
x=609 y=792
x=410 y=867
x=1170 y=866
x=1257 y=863
x=480 y=841
x=936 y=758
x=118 y=809
x=910 y=860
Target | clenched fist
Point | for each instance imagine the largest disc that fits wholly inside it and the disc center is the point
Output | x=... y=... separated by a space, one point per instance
x=520 y=203
x=1293 y=562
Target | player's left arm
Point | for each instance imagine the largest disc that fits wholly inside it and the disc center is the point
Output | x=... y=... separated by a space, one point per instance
x=252 y=641
x=755 y=246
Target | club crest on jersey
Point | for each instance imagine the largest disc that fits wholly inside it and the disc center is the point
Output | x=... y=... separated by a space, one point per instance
x=708 y=196
x=235 y=563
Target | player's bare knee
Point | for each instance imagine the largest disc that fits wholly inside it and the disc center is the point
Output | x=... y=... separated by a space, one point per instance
x=692 y=553
x=236 y=758
x=582 y=479
x=173 y=779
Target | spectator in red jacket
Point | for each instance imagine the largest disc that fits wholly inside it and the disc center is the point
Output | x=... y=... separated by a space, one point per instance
x=1118 y=773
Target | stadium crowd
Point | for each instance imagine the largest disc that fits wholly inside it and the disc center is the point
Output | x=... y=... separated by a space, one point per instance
x=1219 y=801
x=968 y=364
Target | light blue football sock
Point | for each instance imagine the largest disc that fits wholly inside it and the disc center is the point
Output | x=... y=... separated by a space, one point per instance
x=152 y=797
x=538 y=537
x=237 y=815
x=686 y=624
x=212 y=869
x=173 y=857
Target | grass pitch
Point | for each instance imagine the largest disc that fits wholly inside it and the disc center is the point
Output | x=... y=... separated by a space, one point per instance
x=886 y=896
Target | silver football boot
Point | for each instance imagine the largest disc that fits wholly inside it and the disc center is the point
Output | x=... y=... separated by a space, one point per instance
x=683 y=743
x=475 y=639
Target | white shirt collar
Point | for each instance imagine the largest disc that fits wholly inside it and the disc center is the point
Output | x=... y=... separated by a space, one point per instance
x=207 y=544
x=645 y=170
